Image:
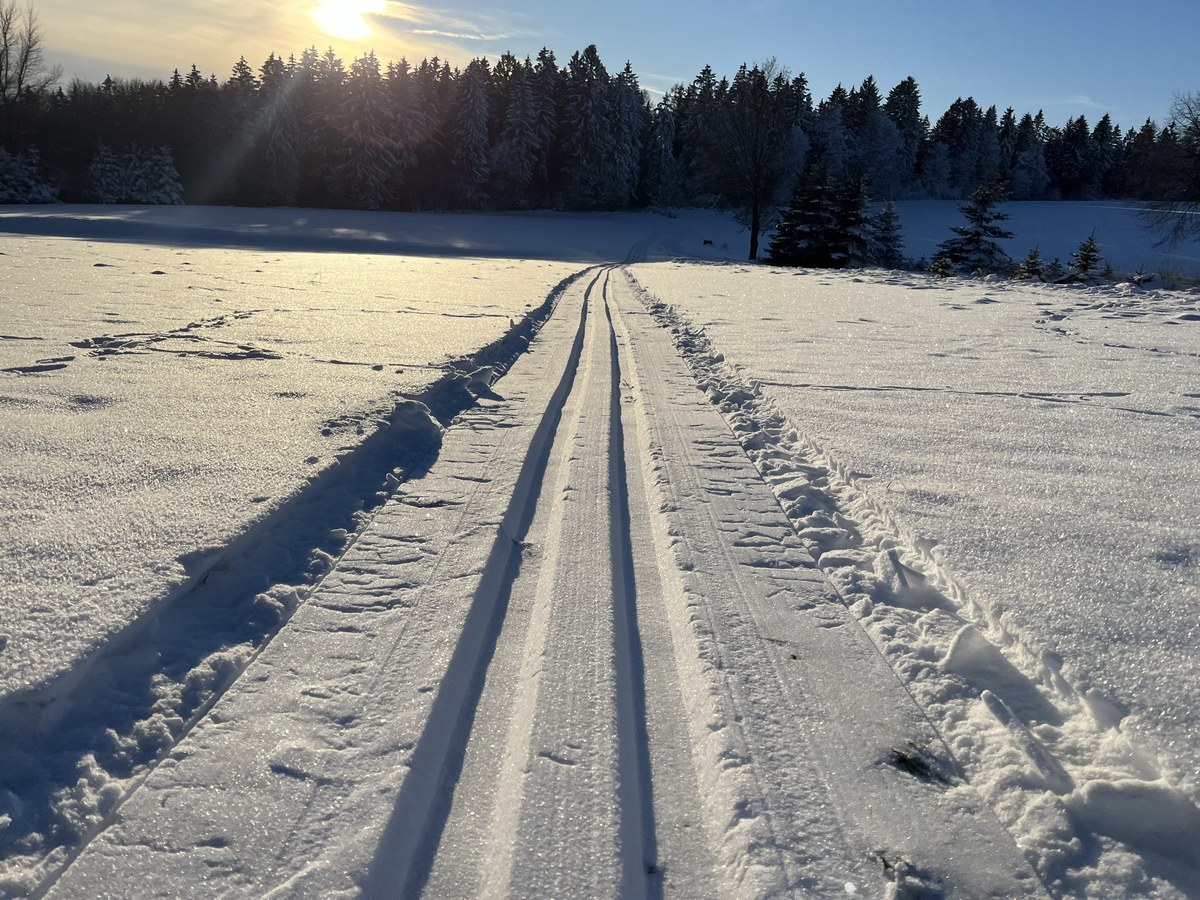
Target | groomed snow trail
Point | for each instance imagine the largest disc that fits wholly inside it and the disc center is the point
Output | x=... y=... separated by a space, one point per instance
x=584 y=655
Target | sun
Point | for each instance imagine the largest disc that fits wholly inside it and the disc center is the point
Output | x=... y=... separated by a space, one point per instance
x=344 y=18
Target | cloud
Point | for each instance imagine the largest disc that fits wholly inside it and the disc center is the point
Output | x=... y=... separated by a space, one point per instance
x=1079 y=100
x=457 y=36
x=423 y=22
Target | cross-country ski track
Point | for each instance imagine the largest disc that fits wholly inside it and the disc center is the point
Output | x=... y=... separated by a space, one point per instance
x=592 y=651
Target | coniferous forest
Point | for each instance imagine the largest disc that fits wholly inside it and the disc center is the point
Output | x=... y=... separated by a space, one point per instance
x=533 y=133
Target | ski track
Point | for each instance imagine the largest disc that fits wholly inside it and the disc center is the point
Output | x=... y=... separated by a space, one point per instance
x=631 y=635
x=1080 y=797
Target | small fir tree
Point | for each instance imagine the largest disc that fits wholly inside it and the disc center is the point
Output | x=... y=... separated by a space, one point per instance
x=1054 y=271
x=941 y=267
x=886 y=238
x=975 y=248
x=1086 y=261
x=1031 y=268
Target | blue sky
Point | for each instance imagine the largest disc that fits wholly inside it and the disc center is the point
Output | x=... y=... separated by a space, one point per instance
x=1067 y=57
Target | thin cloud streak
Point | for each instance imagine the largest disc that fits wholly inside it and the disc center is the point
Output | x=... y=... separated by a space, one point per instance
x=457 y=36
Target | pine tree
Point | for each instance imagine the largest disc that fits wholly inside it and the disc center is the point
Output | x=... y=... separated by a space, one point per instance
x=1031 y=268
x=886 y=238
x=518 y=150
x=666 y=183
x=975 y=248
x=903 y=107
x=279 y=144
x=590 y=148
x=106 y=177
x=825 y=225
x=161 y=179
x=368 y=150
x=850 y=237
x=800 y=239
x=1086 y=260
x=630 y=119
x=469 y=133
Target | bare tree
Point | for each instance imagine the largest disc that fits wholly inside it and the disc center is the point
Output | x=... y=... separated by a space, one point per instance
x=752 y=145
x=23 y=69
x=1176 y=217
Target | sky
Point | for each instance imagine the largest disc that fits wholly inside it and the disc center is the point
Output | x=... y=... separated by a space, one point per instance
x=1066 y=57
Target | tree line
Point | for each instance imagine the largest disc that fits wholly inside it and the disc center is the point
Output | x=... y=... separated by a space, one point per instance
x=531 y=133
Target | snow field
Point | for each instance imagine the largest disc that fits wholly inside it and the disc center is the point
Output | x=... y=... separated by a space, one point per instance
x=177 y=483
x=595 y=623
x=982 y=663
x=469 y=705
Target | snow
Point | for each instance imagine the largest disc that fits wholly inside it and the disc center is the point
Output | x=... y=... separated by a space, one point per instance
x=1057 y=229
x=305 y=545
x=1032 y=452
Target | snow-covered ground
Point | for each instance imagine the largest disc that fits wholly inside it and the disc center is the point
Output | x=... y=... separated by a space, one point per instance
x=222 y=485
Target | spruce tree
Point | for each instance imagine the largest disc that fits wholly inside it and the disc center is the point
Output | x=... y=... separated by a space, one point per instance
x=975 y=248
x=886 y=238
x=469 y=133
x=368 y=149
x=1031 y=268
x=1085 y=261
x=590 y=165
x=518 y=150
x=825 y=225
x=20 y=179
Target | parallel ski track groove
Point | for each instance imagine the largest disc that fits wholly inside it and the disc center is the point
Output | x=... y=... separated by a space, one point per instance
x=636 y=785
x=442 y=745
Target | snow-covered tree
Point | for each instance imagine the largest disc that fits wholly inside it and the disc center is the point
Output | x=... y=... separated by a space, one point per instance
x=160 y=181
x=1028 y=178
x=134 y=176
x=469 y=132
x=21 y=180
x=903 y=107
x=630 y=119
x=666 y=181
x=590 y=166
x=369 y=153
x=975 y=246
x=520 y=147
x=877 y=153
x=279 y=127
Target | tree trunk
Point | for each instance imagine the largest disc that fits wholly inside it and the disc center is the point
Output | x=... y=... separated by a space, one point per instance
x=755 y=226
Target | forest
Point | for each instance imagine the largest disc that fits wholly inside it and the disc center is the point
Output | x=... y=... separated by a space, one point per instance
x=312 y=131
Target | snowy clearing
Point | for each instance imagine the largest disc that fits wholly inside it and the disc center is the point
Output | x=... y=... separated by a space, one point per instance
x=323 y=580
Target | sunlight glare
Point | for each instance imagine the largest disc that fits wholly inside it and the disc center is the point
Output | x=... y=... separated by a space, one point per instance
x=344 y=18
